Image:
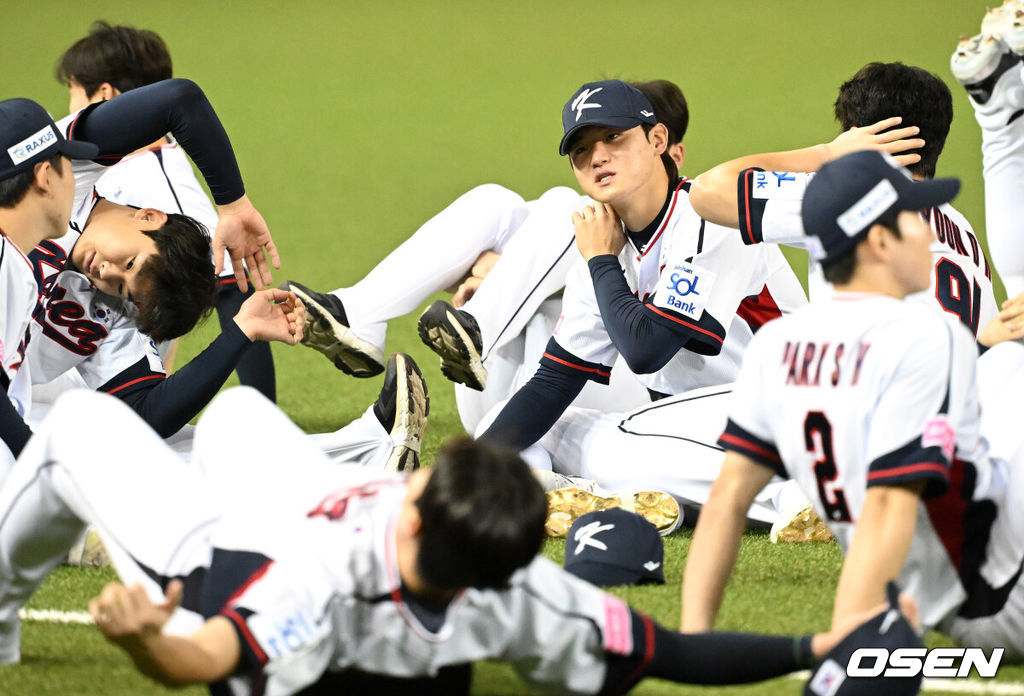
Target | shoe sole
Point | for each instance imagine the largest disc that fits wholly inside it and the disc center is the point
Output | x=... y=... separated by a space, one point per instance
x=325 y=334
x=460 y=360
x=805 y=527
x=412 y=406
x=566 y=505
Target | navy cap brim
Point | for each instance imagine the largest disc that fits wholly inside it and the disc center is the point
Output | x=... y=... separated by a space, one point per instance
x=602 y=574
x=928 y=193
x=78 y=149
x=623 y=122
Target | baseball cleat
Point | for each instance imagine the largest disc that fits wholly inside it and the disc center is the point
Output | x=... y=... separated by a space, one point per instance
x=455 y=336
x=566 y=505
x=326 y=330
x=982 y=64
x=1007 y=23
x=805 y=526
x=89 y=551
x=402 y=408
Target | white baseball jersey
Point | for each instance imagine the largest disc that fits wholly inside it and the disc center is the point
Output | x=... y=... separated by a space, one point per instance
x=77 y=327
x=866 y=390
x=20 y=294
x=961 y=279
x=691 y=272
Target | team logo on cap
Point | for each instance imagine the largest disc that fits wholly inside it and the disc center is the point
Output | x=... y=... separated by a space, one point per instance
x=580 y=102
x=32 y=145
x=585 y=536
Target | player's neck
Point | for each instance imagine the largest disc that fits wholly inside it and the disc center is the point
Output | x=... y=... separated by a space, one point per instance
x=407 y=550
x=873 y=281
x=641 y=207
x=27 y=223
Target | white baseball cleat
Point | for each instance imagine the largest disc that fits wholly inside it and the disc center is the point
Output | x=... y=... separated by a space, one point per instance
x=991 y=74
x=327 y=331
x=1007 y=23
x=566 y=505
x=455 y=336
x=402 y=408
x=89 y=551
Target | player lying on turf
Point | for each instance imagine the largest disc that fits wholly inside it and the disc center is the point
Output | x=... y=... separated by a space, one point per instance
x=396 y=576
x=121 y=275
x=871 y=405
x=114 y=59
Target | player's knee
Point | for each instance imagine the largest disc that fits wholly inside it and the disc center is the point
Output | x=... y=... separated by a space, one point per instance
x=561 y=197
x=494 y=197
x=231 y=406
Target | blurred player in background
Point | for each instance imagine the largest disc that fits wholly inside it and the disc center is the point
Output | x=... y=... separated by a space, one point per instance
x=396 y=577
x=114 y=59
x=871 y=404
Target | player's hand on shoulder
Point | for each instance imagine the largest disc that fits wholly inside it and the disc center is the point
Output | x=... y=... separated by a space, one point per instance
x=243 y=234
x=1008 y=325
x=598 y=231
x=272 y=315
x=127 y=616
x=883 y=136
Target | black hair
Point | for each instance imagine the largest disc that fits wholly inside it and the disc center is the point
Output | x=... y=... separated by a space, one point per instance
x=671 y=110
x=13 y=189
x=881 y=90
x=482 y=514
x=178 y=285
x=124 y=56
x=839 y=271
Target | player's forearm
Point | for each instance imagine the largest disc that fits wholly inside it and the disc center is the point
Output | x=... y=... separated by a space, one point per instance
x=879 y=548
x=172 y=660
x=140 y=116
x=534 y=409
x=710 y=561
x=713 y=194
x=644 y=344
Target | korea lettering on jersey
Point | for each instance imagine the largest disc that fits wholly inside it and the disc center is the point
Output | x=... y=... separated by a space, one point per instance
x=862 y=391
x=692 y=273
x=336 y=602
x=75 y=327
x=769 y=211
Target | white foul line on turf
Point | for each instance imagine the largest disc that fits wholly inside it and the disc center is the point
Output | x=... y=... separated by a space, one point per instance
x=954 y=686
x=55 y=616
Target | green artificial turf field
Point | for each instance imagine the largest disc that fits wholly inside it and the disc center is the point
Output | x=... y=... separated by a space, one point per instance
x=354 y=122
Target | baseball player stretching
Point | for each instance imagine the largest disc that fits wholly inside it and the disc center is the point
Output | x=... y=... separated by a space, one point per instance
x=869 y=402
x=114 y=59
x=398 y=577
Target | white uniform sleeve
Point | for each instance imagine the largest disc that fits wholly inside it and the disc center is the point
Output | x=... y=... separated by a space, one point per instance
x=769 y=207
x=580 y=331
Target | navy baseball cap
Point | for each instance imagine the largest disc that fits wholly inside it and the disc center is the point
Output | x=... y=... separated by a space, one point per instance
x=609 y=103
x=615 y=547
x=849 y=195
x=889 y=630
x=28 y=135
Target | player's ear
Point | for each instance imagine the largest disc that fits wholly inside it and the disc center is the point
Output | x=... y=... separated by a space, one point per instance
x=658 y=137
x=152 y=215
x=676 y=152
x=104 y=92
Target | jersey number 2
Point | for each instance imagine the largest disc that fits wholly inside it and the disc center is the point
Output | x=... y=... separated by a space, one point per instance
x=818 y=440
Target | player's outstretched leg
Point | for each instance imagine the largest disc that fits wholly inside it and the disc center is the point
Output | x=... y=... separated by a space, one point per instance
x=327 y=331
x=571 y=497
x=402 y=408
x=455 y=336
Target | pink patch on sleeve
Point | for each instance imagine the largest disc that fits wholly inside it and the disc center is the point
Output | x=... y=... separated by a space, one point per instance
x=939 y=433
x=618 y=626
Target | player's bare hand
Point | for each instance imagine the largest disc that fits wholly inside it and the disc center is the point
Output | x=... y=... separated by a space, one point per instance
x=466 y=290
x=598 y=231
x=484 y=263
x=127 y=616
x=1008 y=325
x=272 y=315
x=878 y=136
x=243 y=233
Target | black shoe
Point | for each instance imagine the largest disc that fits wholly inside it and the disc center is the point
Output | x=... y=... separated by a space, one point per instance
x=326 y=330
x=402 y=408
x=455 y=336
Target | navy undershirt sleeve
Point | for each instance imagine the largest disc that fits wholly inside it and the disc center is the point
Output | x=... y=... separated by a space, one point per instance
x=174 y=401
x=535 y=407
x=140 y=116
x=644 y=342
x=13 y=429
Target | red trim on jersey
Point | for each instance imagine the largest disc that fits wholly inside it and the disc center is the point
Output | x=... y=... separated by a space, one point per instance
x=260 y=572
x=759 y=310
x=243 y=628
x=687 y=324
x=135 y=381
x=947 y=514
x=747 y=176
x=748 y=445
x=581 y=368
x=908 y=469
x=664 y=223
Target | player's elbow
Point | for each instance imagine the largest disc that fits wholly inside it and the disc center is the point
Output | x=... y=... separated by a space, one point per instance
x=647 y=360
